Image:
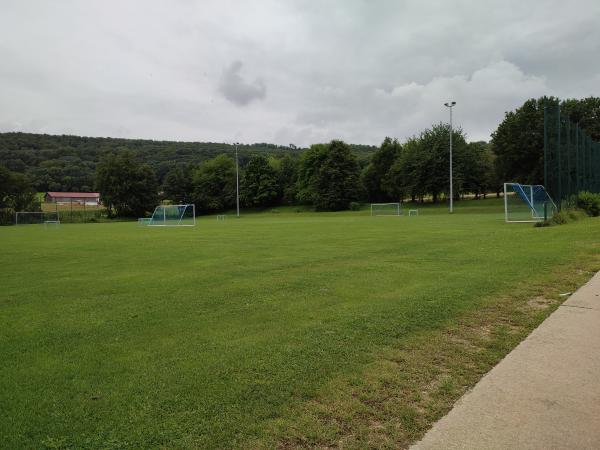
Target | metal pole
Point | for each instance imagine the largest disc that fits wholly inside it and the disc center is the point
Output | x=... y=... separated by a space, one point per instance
x=451 y=190
x=450 y=105
x=237 y=180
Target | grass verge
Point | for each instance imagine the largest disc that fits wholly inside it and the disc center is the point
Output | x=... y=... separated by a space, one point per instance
x=411 y=385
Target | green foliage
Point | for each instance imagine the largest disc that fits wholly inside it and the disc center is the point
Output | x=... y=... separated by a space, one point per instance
x=68 y=163
x=127 y=188
x=214 y=184
x=337 y=182
x=589 y=202
x=308 y=169
x=586 y=113
x=375 y=176
x=259 y=187
x=476 y=167
x=328 y=176
x=518 y=142
x=16 y=194
x=562 y=217
x=287 y=178
x=178 y=185
x=422 y=168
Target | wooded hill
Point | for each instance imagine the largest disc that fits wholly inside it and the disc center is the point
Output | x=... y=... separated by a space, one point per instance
x=68 y=163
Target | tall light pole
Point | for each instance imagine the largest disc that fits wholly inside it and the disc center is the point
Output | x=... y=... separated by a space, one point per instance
x=237 y=180
x=449 y=105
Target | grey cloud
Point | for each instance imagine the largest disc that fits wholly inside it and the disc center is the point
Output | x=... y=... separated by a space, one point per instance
x=237 y=90
x=352 y=69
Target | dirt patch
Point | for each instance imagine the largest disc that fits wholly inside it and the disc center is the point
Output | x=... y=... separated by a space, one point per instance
x=540 y=302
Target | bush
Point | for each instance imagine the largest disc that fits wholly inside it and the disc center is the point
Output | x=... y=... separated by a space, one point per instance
x=354 y=206
x=562 y=217
x=589 y=202
x=7 y=217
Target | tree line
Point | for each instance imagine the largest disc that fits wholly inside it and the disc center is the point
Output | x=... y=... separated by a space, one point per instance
x=68 y=163
x=327 y=177
x=332 y=176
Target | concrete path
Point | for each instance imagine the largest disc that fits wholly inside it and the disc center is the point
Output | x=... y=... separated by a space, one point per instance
x=544 y=395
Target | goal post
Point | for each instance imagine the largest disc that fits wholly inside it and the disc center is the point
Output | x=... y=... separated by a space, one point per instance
x=527 y=203
x=386 y=209
x=36 y=217
x=173 y=216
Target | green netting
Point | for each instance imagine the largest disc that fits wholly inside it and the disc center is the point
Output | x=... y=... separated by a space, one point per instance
x=571 y=157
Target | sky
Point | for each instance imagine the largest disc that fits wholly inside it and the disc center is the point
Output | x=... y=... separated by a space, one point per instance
x=287 y=71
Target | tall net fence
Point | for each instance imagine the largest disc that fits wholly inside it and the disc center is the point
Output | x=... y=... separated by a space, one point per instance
x=571 y=157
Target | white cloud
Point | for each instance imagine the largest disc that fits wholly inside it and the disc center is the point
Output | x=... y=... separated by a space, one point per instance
x=351 y=69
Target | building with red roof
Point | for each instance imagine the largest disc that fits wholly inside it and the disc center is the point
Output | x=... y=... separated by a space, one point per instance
x=79 y=198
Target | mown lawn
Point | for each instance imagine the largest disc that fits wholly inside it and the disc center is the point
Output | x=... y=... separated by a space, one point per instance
x=119 y=336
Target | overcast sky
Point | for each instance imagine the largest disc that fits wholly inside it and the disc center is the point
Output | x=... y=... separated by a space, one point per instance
x=285 y=72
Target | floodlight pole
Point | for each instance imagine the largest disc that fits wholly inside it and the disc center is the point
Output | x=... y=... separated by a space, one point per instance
x=237 y=180
x=449 y=105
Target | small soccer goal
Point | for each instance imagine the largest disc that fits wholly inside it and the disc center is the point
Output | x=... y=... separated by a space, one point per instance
x=386 y=209
x=173 y=216
x=527 y=203
x=37 y=217
x=413 y=212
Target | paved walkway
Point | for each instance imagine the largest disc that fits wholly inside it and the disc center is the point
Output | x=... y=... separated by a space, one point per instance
x=544 y=395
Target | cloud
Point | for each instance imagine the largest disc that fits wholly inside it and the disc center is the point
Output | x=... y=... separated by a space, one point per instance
x=349 y=69
x=235 y=89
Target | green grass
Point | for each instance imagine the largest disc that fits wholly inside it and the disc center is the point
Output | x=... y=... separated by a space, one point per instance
x=232 y=333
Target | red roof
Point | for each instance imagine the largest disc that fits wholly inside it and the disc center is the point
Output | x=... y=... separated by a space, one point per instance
x=74 y=194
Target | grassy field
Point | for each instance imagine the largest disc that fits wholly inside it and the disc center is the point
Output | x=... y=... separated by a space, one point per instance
x=278 y=329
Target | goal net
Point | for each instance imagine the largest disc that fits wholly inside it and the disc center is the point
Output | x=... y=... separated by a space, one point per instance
x=527 y=203
x=36 y=217
x=386 y=209
x=173 y=216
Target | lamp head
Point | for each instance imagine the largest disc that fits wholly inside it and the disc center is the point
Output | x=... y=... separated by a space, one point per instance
x=450 y=104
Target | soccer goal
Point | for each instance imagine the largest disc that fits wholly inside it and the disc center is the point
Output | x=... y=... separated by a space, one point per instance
x=173 y=216
x=37 y=217
x=527 y=203
x=386 y=209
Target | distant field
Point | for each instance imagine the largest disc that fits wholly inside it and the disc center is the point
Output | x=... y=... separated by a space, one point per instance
x=275 y=328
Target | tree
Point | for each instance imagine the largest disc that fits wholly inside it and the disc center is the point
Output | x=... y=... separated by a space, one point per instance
x=407 y=176
x=214 y=184
x=423 y=165
x=308 y=169
x=337 y=180
x=287 y=175
x=376 y=174
x=518 y=143
x=178 y=185
x=259 y=183
x=127 y=188
x=586 y=113
x=16 y=194
x=477 y=169
x=328 y=176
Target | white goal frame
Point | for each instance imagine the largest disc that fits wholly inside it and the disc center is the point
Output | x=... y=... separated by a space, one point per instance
x=157 y=223
x=398 y=211
x=44 y=219
x=534 y=197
